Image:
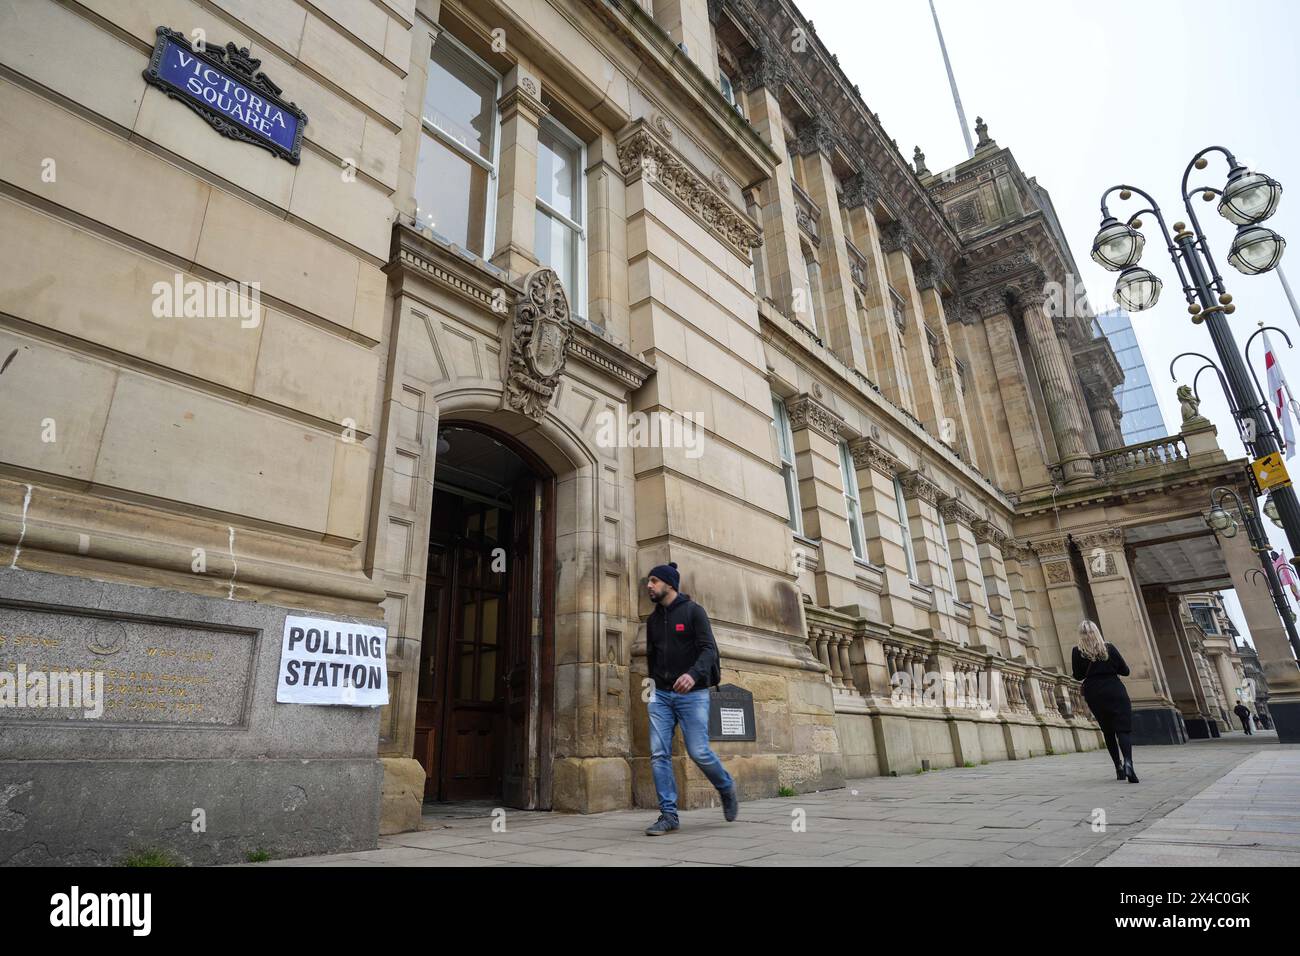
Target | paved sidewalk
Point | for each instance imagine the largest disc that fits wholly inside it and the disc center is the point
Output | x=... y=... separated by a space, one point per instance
x=1228 y=801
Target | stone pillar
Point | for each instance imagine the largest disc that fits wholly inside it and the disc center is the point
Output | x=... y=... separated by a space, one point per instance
x=877 y=468
x=1269 y=636
x=842 y=329
x=821 y=493
x=881 y=336
x=1162 y=612
x=607 y=272
x=516 y=227
x=985 y=414
x=1054 y=379
x=992 y=540
x=1105 y=421
x=1021 y=460
x=687 y=22
x=1124 y=624
x=927 y=403
x=931 y=551
x=960 y=522
x=782 y=255
x=954 y=427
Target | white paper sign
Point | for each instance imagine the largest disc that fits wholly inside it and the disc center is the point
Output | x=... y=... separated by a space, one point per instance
x=333 y=662
x=732 y=720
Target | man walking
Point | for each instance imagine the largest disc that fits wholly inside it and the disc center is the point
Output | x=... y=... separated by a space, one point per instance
x=1243 y=714
x=683 y=659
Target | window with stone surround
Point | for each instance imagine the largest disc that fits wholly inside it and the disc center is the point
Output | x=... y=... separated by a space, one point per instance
x=455 y=179
x=900 y=312
x=561 y=238
x=852 y=501
x=901 y=503
x=730 y=93
x=785 y=447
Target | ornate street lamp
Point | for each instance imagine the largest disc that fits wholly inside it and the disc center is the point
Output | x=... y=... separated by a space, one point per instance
x=1246 y=199
x=1137 y=289
x=1255 y=249
x=1249 y=197
x=1117 y=245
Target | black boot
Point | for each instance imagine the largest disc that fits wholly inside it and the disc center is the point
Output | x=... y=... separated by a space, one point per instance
x=1120 y=773
x=1128 y=771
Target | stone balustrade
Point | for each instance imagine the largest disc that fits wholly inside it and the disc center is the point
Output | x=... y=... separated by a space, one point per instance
x=880 y=667
x=1157 y=453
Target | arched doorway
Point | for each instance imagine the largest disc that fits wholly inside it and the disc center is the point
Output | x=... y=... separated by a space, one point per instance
x=482 y=707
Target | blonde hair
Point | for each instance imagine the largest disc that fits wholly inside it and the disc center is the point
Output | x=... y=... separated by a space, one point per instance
x=1091 y=644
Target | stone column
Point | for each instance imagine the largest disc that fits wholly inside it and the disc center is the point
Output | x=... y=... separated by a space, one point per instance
x=881 y=336
x=782 y=255
x=1162 y=612
x=516 y=227
x=816 y=431
x=962 y=543
x=1054 y=379
x=927 y=401
x=931 y=551
x=1269 y=636
x=1019 y=455
x=1105 y=421
x=607 y=271
x=687 y=22
x=842 y=329
x=954 y=427
x=1124 y=624
x=985 y=414
x=992 y=540
x=877 y=468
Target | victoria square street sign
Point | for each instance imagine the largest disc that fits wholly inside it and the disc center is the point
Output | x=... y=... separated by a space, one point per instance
x=226 y=89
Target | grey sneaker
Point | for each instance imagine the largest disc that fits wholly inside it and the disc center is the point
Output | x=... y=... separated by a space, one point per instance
x=730 y=804
x=661 y=826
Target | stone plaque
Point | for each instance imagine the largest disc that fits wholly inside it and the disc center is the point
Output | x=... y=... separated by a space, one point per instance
x=53 y=662
x=731 y=713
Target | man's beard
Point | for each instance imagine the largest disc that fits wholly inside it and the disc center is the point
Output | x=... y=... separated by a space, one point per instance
x=656 y=597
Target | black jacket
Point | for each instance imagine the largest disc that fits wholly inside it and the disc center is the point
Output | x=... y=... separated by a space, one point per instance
x=1112 y=666
x=1241 y=710
x=679 y=640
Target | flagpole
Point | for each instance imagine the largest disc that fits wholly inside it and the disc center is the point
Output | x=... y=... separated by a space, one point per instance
x=952 y=81
x=1290 y=297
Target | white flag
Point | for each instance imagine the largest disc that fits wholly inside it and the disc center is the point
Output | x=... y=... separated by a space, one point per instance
x=1279 y=394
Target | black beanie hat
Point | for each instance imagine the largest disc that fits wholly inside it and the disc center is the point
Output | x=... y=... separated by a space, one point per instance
x=667 y=573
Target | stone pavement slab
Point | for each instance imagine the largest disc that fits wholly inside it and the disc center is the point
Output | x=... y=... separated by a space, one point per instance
x=1230 y=801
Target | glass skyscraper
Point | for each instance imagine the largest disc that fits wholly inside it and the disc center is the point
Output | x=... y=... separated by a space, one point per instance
x=1140 y=415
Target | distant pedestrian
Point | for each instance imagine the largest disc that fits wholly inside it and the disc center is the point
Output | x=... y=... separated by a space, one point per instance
x=1243 y=714
x=1100 y=667
x=1254 y=718
x=683 y=661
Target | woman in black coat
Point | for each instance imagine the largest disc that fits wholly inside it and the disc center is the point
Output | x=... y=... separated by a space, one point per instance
x=1100 y=667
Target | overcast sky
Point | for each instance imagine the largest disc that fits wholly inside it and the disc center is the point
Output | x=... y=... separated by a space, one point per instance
x=1091 y=93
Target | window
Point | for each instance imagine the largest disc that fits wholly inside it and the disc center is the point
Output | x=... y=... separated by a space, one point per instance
x=907 y=528
x=729 y=92
x=560 y=241
x=852 y=503
x=785 y=444
x=760 y=282
x=900 y=315
x=1204 y=616
x=455 y=178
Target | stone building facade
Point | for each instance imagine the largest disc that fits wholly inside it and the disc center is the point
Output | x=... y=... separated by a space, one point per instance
x=549 y=294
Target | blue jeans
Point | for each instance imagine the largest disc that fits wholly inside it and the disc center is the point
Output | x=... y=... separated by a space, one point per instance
x=668 y=709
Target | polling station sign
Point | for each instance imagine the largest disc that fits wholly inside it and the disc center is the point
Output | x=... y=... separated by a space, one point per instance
x=333 y=662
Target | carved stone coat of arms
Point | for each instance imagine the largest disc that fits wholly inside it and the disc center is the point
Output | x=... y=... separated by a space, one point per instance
x=538 y=339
